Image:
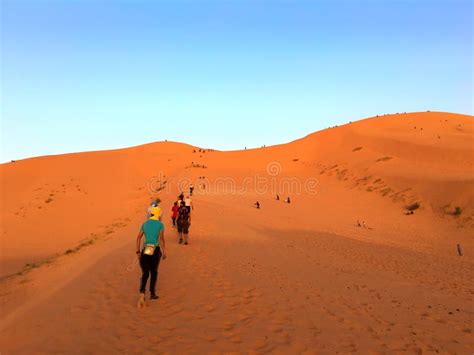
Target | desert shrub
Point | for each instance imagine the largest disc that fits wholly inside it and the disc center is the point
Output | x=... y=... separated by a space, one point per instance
x=457 y=211
x=356 y=149
x=386 y=191
x=193 y=165
x=32 y=266
x=383 y=159
x=413 y=206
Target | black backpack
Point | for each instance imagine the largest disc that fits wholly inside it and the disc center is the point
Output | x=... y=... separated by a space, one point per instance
x=183 y=214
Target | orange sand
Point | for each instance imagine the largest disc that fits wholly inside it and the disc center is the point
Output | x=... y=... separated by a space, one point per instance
x=290 y=278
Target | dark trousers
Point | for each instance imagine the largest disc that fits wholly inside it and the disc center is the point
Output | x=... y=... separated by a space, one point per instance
x=149 y=265
x=174 y=220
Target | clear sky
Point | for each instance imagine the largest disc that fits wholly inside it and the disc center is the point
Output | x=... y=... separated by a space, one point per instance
x=86 y=75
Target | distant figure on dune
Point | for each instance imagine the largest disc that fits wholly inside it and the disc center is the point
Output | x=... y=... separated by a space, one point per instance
x=174 y=211
x=154 y=204
x=191 y=189
x=183 y=223
x=288 y=200
x=278 y=197
x=151 y=253
x=257 y=204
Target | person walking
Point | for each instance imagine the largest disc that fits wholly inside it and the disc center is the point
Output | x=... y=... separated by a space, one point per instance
x=150 y=254
x=174 y=211
x=183 y=223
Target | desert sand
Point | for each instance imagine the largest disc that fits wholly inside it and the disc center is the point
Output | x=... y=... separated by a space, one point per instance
x=286 y=278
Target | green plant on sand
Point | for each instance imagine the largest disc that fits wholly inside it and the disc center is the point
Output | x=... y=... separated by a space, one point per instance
x=413 y=206
x=457 y=211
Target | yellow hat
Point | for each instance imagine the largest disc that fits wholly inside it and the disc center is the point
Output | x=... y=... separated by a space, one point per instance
x=155 y=213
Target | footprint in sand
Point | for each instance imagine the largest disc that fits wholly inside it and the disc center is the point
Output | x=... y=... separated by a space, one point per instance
x=184 y=340
x=210 y=308
x=275 y=328
x=260 y=344
x=244 y=318
x=174 y=311
x=236 y=340
x=248 y=295
x=188 y=316
x=297 y=349
x=283 y=338
x=269 y=311
x=228 y=325
x=155 y=339
x=233 y=304
x=209 y=338
x=229 y=334
x=247 y=300
x=170 y=327
x=199 y=316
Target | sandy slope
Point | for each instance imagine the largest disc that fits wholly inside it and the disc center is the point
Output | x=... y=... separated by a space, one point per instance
x=289 y=277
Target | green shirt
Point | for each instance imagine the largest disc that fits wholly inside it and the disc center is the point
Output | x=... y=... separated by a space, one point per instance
x=152 y=229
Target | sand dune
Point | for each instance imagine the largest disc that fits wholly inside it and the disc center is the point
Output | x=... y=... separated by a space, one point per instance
x=288 y=278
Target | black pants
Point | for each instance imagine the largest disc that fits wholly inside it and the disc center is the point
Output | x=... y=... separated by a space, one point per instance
x=183 y=226
x=174 y=220
x=149 y=264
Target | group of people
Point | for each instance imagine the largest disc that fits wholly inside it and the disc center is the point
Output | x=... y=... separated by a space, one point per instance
x=153 y=247
x=257 y=204
x=181 y=216
x=287 y=199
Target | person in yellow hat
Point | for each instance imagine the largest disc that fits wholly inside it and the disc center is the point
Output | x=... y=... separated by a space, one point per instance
x=152 y=251
x=154 y=204
x=155 y=213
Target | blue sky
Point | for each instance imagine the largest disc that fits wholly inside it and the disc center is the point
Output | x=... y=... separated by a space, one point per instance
x=87 y=75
